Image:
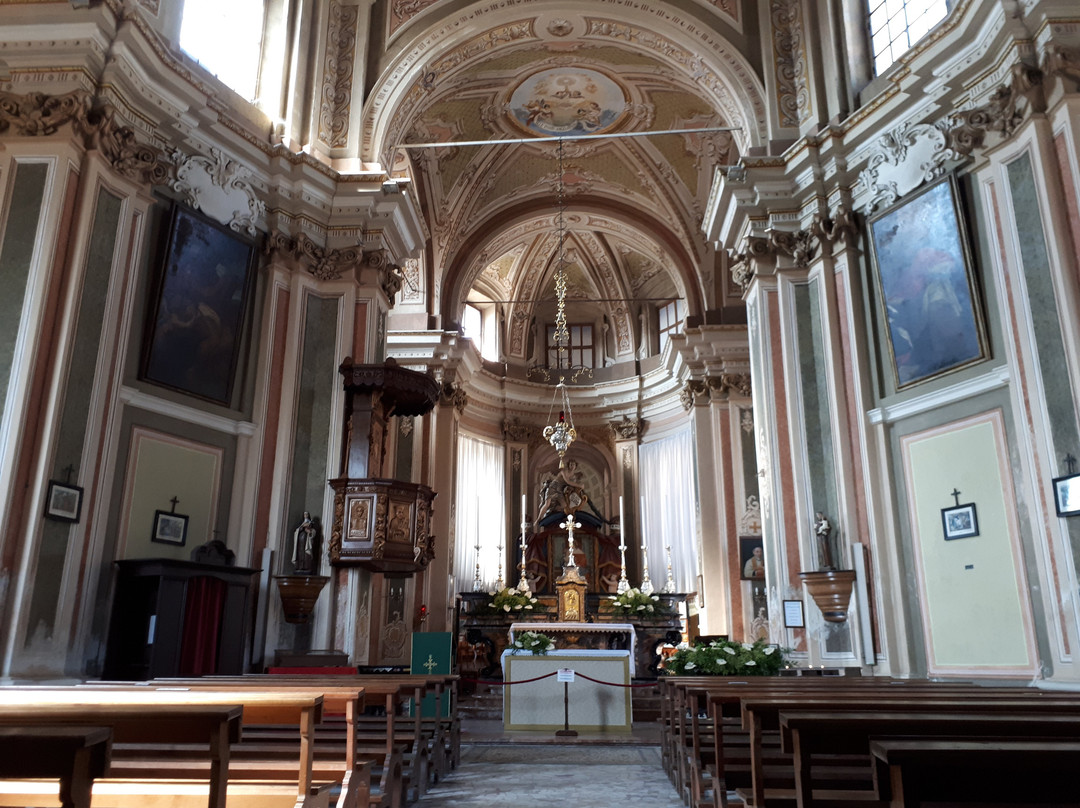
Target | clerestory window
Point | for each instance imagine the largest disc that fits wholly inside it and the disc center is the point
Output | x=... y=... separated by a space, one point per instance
x=896 y=25
x=226 y=39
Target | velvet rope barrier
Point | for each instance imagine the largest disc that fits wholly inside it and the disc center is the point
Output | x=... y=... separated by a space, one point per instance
x=501 y=683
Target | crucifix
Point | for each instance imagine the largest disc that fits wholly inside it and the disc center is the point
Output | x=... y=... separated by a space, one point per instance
x=1070 y=464
x=956 y=495
x=71 y=470
x=174 y=502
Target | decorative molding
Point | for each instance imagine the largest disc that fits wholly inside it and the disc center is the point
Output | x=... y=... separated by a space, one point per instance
x=180 y=412
x=746 y=421
x=389 y=273
x=628 y=428
x=405 y=10
x=517 y=432
x=789 y=62
x=694 y=392
x=515 y=459
x=412 y=289
x=1062 y=61
x=325 y=264
x=453 y=395
x=750 y=522
x=41 y=115
x=627 y=458
x=560 y=28
x=722 y=385
x=984 y=383
x=218 y=187
x=914 y=154
x=336 y=92
x=406 y=425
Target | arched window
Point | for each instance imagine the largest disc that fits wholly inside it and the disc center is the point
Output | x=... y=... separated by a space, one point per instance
x=479 y=323
x=896 y=25
x=225 y=37
x=670 y=318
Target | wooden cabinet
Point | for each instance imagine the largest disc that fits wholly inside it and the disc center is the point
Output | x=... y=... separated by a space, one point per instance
x=178 y=618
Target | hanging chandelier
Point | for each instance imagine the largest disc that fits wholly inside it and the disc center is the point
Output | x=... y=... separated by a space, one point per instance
x=562 y=433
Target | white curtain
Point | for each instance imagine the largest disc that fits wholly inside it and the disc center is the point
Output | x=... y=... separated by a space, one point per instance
x=669 y=517
x=481 y=518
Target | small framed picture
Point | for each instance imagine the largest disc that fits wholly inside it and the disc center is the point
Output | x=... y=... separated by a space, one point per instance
x=960 y=522
x=63 y=502
x=752 y=558
x=1067 y=495
x=169 y=528
x=793 y=614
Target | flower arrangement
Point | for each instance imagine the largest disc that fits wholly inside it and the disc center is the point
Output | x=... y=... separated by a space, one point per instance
x=726 y=658
x=634 y=601
x=512 y=600
x=533 y=641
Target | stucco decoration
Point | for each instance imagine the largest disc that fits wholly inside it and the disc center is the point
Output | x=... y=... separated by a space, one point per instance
x=628 y=428
x=694 y=392
x=404 y=10
x=568 y=101
x=39 y=114
x=517 y=432
x=412 y=291
x=218 y=187
x=304 y=253
x=721 y=386
x=789 y=62
x=904 y=159
x=336 y=91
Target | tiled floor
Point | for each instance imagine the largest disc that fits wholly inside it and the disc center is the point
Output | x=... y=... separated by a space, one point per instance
x=538 y=770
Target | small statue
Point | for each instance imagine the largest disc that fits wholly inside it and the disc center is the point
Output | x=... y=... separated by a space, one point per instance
x=305 y=540
x=822 y=529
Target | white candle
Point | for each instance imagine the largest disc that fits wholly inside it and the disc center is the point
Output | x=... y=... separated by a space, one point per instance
x=622 y=520
x=642 y=522
x=523 y=514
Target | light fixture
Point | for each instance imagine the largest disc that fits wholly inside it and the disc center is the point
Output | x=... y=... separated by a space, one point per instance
x=562 y=433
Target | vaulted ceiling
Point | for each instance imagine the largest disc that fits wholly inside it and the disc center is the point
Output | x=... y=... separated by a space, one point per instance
x=633 y=206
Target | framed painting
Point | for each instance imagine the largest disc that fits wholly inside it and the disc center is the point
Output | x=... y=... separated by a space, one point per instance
x=960 y=522
x=752 y=558
x=197 y=308
x=930 y=306
x=63 y=502
x=1067 y=495
x=169 y=528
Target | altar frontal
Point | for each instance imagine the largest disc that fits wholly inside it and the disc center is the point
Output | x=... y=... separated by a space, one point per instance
x=592 y=707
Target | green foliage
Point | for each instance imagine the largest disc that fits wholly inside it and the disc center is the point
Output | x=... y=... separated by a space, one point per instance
x=539 y=644
x=726 y=658
x=634 y=601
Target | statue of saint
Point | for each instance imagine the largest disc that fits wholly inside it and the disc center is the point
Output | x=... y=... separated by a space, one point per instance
x=304 y=547
x=822 y=529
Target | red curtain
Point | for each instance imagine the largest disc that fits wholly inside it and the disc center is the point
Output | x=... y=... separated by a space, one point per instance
x=202 y=626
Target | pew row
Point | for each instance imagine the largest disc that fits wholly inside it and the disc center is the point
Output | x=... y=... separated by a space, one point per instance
x=71 y=756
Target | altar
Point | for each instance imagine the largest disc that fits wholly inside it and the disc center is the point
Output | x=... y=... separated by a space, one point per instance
x=600 y=636
x=593 y=707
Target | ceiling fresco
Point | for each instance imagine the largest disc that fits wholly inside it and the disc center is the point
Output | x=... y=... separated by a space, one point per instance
x=634 y=203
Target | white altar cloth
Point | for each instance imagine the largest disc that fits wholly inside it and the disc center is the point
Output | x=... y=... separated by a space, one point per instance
x=553 y=630
x=593 y=707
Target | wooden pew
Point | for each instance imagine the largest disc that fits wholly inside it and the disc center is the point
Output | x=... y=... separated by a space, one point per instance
x=211 y=728
x=264 y=743
x=830 y=732
x=910 y=771
x=692 y=747
x=176 y=769
x=74 y=756
x=411 y=750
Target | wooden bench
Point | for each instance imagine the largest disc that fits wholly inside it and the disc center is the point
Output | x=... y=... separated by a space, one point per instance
x=73 y=756
x=272 y=745
x=210 y=729
x=910 y=771
x=830 y=732
x=179 y=769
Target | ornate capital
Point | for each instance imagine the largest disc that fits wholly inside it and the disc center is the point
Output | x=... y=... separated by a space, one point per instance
x=628 y=428
x=842 y=227
x=38 y=114
x=389 y=273
x=453 y=395
x=1002 y=114
x=325 y=264
x=693 y=393
x=517 y=432
x=723 y=384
